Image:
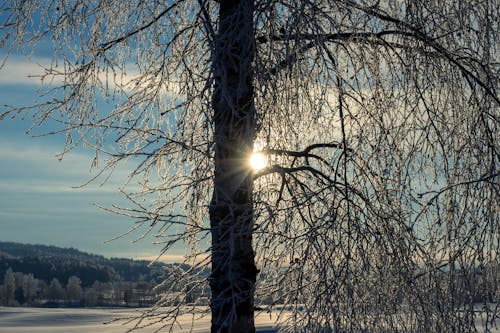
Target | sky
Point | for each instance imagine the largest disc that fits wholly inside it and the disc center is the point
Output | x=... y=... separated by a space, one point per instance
x=38 y=201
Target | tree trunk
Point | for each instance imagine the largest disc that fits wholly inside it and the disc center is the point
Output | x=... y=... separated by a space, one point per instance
x=233 y=273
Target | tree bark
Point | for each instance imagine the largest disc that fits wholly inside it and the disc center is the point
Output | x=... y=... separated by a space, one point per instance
x=233 y=272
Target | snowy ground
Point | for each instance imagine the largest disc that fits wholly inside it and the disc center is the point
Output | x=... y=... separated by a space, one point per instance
x=37 y=320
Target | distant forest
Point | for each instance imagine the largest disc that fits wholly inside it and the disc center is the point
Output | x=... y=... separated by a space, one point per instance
x=40 y=275
x=49 y=276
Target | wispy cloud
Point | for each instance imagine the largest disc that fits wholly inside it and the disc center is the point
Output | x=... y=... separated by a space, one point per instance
x=20 y=70
x=35 y=167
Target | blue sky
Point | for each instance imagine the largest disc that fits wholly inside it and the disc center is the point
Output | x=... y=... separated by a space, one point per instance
x=38 y=203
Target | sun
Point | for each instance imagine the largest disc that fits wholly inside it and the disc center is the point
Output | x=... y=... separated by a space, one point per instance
x=257 y=161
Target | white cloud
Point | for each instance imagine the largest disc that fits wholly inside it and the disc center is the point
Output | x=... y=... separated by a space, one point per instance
x=39 y=162
x=19 y=70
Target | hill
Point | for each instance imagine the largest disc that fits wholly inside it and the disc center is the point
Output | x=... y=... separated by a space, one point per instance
x=48 y=262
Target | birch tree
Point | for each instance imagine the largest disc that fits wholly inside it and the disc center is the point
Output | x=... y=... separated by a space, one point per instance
x=73 y=288
x=340 y=157
x=8 y=288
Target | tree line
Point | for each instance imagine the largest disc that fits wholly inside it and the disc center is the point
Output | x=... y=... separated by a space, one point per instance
x=19 y=289
x=39 y=275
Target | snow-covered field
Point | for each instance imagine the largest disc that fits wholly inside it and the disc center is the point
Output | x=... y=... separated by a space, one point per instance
x=37 y=320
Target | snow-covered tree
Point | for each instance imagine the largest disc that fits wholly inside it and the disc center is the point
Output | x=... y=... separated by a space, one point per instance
x=73 y=288
x=374 y=200
x=90 y=297
x=8 y=288
x=56 y=291
x=30 y=288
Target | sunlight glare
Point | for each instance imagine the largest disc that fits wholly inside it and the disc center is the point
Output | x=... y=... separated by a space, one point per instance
x=257 y=161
